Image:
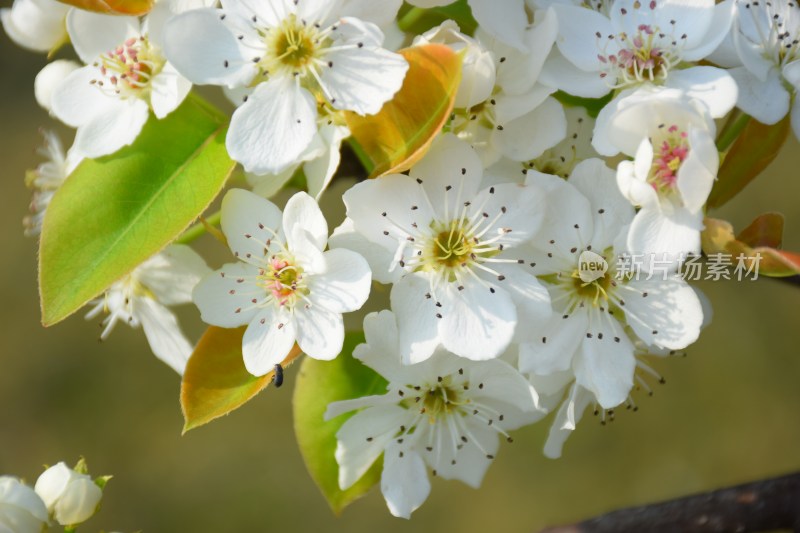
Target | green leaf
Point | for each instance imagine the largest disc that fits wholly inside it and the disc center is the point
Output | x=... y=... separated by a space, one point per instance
x=216 y=381
x=113 y=7
x=402 y=131
x=115 y=212
x=318 y=384
x=754 y=149
x=593 y=106
x=417 y=20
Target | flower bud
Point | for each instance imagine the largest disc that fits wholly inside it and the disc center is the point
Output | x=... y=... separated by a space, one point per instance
x=71 y=497
x=21 y=510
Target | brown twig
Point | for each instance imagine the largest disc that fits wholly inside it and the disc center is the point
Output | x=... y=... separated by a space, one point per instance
x=767 y=505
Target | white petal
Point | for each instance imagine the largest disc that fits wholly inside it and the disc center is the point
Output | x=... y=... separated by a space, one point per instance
x=752 y=54
x=470 y=463
x=791 y=73
x=53 y=482
x=561 y=73
x=504 y=21
x=168 y=91
x=49 y=78
x=268 y=340
x=79 y=503
x=115 y=127
x=577 y=39
x=379 y=12
x=610 y=210
x=404 y=482
x=524 y=138
x=767 y=101
x=796 y=120
x=380 y=351
x=344 y=287
x=163 y=333
x=718 y=30
x=713 y=86
x=302 y=211
x=361 y=440
x=449 y=162
x=37 y=25
x=632 y=177
x=93 y=34
x=667 y=235
x=669 y=316
x=320 y=333
x=172 y=275
x=697 y=173
x=276 y=124
x=205 y=50
x=223 y=300
x=378 y=258
x=247 y=214
x=553 y=343
x=519 y=71
x=476 y=323
x=362 y=79
x=397 y=195
x=417 y=325
x=320 y=170
x=568 y=416
x=605 y=366
x=531 y=299
x=76 y=99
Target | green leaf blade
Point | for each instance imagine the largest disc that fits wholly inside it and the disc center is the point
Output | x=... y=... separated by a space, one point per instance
x=117 y=211
x=318 y=384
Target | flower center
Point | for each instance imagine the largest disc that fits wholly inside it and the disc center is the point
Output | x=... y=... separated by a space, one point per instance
x=128 y=69
x=641 y=57
x=294 y=47
x=441 y=400
x=283 y=279
x=668 y=158
x=451 y=247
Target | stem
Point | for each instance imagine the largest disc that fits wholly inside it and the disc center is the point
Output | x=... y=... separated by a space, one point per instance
x=767 y=505
x=199 y=229
x=410 y=18
x=732 y=130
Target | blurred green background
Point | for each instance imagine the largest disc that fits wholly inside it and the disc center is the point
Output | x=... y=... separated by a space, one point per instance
x=728 y=414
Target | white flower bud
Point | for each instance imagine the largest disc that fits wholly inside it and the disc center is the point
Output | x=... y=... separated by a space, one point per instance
x=49 y=78
x=477 y=72
x=21 y=510
x=70 y=497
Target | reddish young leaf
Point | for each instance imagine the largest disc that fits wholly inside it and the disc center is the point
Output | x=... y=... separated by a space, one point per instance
x=216 y=381
x=755 y=148
x=401 y=132
x=113 y=7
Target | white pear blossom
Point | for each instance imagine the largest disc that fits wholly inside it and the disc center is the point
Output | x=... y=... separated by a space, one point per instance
x=319 y=162
x=21 y=509
x=46 y=179
x=125 y=77
x=37 y=25
x=507 y=122
x=48 y=79
x=643 y=42
x=298 y=56
x=766 y=37
x=477 y=65
x=141 y=299
x=446 y=414
x=284 y=287
x=675 y=165
x=506 y=21
x=71 y=497
x=561 y=158
x=450 y=250
x=595 y=294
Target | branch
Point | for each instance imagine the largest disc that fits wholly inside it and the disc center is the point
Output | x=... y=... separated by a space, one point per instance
x=764 y=505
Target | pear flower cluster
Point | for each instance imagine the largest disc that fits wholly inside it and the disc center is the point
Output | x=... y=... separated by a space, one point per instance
x=62 y=495
x=581 y=133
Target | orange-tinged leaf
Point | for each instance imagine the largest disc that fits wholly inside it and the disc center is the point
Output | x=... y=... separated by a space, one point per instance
x=755 y=241
x=765 y=230
x=216 y=381
x=402 y=131
x=755 y=148
x=113 y=7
